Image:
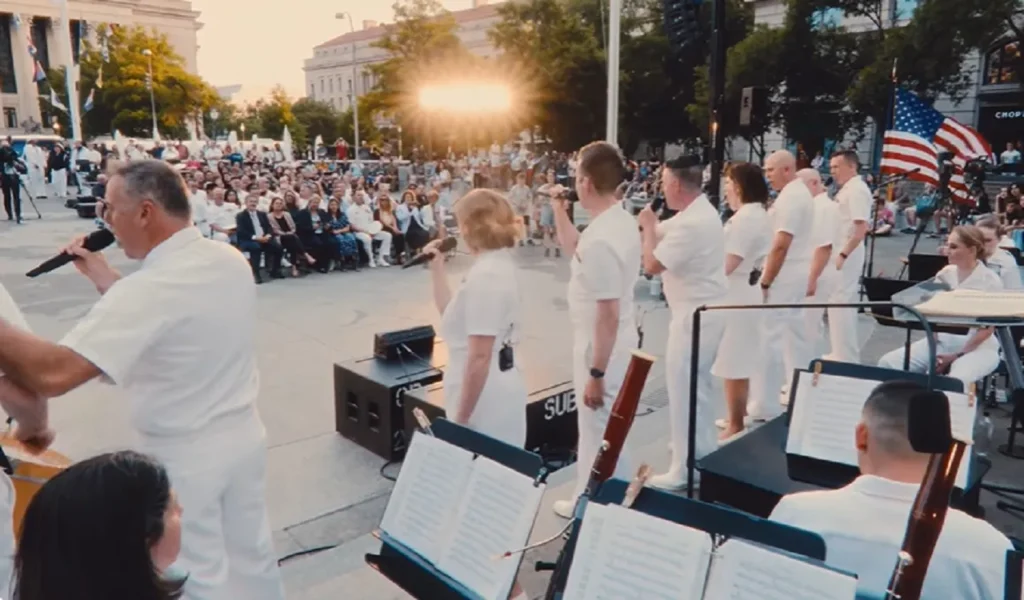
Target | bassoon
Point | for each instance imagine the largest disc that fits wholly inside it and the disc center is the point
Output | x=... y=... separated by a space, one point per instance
x=927 y=516
x=620 y=421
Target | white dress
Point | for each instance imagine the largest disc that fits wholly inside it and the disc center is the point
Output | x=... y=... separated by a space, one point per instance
x=748 y=234
x=487 y=304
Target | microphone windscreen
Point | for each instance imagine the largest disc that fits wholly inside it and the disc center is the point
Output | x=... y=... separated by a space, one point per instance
x=448 y=244
x=928 y=423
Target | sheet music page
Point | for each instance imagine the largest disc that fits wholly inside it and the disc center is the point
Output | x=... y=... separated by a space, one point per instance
x=825 y=418
x=623 y=554
x=496 y=513
x=426 y=495
x=744 y=571
x=974 y=303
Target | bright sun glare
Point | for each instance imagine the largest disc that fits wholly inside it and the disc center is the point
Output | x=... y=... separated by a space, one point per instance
x=466 y=97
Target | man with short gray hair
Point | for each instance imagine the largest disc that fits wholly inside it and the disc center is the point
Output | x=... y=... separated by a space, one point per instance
x=178 y=336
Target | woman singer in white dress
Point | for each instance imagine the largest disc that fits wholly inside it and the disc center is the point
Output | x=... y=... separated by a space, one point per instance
x=967 y=357
x=999 y=260
x=748 y=236
x=480 y=318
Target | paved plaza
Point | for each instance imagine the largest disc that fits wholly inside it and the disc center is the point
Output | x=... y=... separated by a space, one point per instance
x=323 y=489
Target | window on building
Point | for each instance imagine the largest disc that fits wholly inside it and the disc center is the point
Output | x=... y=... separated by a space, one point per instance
x=7 y=83
x=39 y=40
x=10 y=117
x=76 y=38
x=827 y=17
x=366 y=82
x=322 y=88
x=349 y=86
x=903 y=9
x=312 y=91
x=1002 y=64
x=330 y=85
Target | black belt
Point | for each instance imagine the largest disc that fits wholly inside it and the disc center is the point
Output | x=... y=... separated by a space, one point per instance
x=755 y=276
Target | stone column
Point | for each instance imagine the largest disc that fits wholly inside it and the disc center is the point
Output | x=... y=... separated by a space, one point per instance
x=24 y=67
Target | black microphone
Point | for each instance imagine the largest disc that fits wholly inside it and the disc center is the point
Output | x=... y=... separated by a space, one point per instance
x=94 y=242
x=928 y=423
x=447 y=245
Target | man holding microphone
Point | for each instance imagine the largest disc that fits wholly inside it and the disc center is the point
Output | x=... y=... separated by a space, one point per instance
x=605 y=264
x=179 y=336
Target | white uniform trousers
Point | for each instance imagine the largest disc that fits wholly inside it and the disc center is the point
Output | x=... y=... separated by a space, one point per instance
x=7 y=546
x=36 y=181
x=969 y=368
x=592 y=422
x=226 y=545
x=814 y=317
x=59 y=182
x=842 y=322
x=784 y=347
x=367 y=241
x=678 y=356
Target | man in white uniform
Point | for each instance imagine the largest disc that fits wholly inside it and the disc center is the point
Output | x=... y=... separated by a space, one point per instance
x=854 y=200
x=827 y=238
x=784 y=281
x=863 y=524
x=688 y=251
x=178 y=335
x=360 y=217
x=605 y=264
x=35 y=160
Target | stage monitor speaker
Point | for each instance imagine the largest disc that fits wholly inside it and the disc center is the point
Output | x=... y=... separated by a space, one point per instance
x=753 y=106
x=415 y=342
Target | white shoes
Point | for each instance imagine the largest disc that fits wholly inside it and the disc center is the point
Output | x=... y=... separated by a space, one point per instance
x=747 y=421
x=673 y=482
x=383 y=262
x=373 y=264
x=564 y=508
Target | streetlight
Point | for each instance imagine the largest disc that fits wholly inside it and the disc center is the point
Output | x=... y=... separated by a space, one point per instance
x=353 y=91
x=152 y=98
x=242 y=126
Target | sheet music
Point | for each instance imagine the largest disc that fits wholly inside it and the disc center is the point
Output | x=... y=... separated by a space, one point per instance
x=974 y=303
x=744 y=571
x=428 y=489
x=825 y=417
x=623 y=554
x=497 y=512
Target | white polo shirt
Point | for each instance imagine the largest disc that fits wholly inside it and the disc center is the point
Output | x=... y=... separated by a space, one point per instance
x=605 y=266
x=1004 y=264
x=863 y=525
x=360 y=216
x=854 y=200
x=692 y=250
x=793 y=212
x=179 y=336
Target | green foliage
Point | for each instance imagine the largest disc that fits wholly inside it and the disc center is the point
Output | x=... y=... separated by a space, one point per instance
x=317 y=118
x=123 y=102
x=267 y=118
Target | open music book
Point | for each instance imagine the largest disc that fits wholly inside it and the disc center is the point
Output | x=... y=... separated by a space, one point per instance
x=460 y=511
x=623 y=554
x=826 y=413
x=974 y=303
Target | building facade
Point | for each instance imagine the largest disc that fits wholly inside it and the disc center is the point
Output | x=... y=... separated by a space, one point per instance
x=37 y=22
x=994 y=105
x=329 y=73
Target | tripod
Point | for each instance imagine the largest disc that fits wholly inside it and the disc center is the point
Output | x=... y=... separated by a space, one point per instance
x=25 y=193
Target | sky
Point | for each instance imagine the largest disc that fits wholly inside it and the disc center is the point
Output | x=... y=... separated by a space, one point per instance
x=258 y=49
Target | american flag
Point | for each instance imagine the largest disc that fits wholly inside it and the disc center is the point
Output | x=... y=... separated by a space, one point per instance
x=919 y=133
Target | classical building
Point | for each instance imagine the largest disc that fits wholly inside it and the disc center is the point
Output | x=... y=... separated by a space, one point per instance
x=329 y=74
x=994 y=105
x=37 y=22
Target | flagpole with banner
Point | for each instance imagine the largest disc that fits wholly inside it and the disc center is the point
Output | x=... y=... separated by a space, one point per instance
x=70 y=71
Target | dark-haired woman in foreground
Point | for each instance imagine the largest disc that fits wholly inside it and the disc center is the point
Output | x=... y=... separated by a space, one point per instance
x=107 y=528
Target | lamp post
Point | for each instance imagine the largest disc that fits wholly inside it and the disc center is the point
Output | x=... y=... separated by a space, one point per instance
x=152 y=98
x=354 y=91
x=242 y=143
x=614 y=40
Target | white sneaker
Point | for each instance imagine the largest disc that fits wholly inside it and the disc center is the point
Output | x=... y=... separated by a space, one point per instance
x=372 y=263
x=734 y=437
x=673 y=482
x=564 y=508
x=747 y=421
x=383 y=262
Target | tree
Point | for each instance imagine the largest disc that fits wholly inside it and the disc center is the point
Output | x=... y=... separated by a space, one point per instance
x=318 y=118
x=123 y=102
x=267 y=117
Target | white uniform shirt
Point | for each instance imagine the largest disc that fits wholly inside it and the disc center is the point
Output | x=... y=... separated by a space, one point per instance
x=605 y=266
x=1005 y=265
x=10 y=312
x=793 y=213
x=692 y=250
x=981 y=279
x=863 y=525
x=222 y=216
x=200 y=212
x=828 y=229
x=360 y=216
x=854 y=200
x=748 y=235
x=178 y=336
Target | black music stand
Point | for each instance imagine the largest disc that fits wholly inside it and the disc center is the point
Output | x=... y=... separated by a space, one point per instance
x=1014 y=568
x=712 y=518
x=411 y=572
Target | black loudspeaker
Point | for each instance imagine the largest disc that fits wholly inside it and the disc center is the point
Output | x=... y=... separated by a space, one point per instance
x=754 y=107
x=368 y=399
x=415 y=342
x=682 y=23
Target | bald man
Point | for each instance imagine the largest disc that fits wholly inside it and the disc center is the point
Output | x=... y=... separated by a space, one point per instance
x=863 y=524
x=784 y=281
x=828 y=238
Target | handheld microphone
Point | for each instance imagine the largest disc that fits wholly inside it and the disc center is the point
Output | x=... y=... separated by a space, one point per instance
x=94 y=242
x=447 y=245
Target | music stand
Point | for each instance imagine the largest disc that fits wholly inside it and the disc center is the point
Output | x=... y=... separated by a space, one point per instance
x=712 y=518
x=1014 y=568
x=410 y=571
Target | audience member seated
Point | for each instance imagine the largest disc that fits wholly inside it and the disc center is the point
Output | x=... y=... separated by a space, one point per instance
x=884 y=219
x=966 y=357
x=256 y=238
x=385 y=214
x=344 y=240
x=221 y=217
x=416 y=234
x=107 y=527
x=863 y=524
x=311 y=224
x=366 y=229
x=285 y=232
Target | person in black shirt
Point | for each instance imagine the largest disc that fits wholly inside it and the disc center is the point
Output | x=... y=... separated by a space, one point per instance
x=10 y=180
